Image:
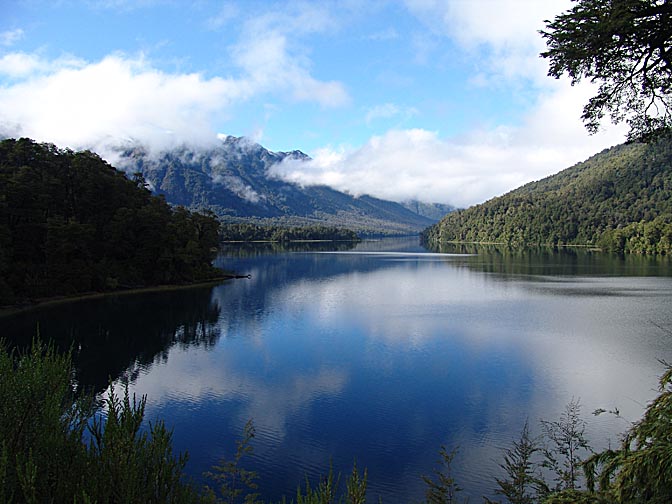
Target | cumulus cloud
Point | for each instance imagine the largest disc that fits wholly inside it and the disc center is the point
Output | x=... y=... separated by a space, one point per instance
x=21 y=65
x=89 y=104
x=272 y=61
x=419 y=164
x=510 y=49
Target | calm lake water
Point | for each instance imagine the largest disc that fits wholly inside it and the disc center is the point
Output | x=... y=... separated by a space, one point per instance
x=381 y=353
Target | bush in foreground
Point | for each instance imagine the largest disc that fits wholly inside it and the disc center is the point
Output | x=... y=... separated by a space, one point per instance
x=43 y=427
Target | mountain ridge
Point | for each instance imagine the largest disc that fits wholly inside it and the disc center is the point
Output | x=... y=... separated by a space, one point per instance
x=233 y=180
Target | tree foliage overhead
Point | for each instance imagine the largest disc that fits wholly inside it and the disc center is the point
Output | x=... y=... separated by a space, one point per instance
x=625 y=46
x=70 y=223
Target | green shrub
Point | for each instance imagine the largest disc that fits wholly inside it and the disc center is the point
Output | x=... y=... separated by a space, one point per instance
x=43 y=425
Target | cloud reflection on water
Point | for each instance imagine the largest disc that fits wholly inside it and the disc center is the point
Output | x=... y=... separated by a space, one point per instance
x=343 y=355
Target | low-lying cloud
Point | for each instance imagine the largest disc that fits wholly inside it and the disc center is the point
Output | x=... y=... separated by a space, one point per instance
x=470 y=168
x=419 y=164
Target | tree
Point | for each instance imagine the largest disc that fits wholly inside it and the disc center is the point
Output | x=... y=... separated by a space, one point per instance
x=443 y=488
x=523 y=481
x=566 y=443
x=640 y=470
x=235 y=482
x=626 y=47
x=71 y=223
x=45 y=423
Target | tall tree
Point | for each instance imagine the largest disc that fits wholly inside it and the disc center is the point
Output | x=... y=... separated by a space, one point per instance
x=626 y=47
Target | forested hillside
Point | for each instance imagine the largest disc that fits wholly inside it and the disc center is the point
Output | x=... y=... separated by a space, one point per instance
x=70 y=223
x=620 y=199
x=253 y=232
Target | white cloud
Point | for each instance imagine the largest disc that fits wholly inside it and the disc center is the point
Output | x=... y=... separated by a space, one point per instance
x=480 y=164
x=226 y=15
x=504 y=32
x=416 y=163
x=10 y=37
x=388 y=111
x=269 y=67
x=238 y=187
x=86 y=104
x=272 y=62
x=117 y=98
x=18 y=65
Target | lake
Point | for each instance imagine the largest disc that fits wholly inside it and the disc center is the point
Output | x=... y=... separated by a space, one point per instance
x=379 y=353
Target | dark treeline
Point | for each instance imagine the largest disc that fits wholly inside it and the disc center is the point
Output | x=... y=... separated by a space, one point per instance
x=255 y=232
x=620 y=199
x=71 y=223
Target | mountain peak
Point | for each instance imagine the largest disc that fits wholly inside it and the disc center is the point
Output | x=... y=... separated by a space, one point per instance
x=233 y=180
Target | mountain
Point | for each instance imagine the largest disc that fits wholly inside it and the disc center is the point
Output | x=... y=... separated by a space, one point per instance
x=613 y=199
x=233 y=181
x=434 y=211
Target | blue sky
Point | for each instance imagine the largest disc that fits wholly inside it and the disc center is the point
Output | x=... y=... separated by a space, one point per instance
x=440 y=100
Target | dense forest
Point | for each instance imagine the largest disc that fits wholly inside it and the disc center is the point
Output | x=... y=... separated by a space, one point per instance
x=71 y=223
x=620 y=199
x=255 y=232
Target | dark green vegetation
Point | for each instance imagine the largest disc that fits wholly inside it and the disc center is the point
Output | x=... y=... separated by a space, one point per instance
x=626 y=47
x=620 y=199
x=654 y=237
x=254 y=232
x=43 y=452
x=56 y=446
x=71 y=223
x=235 y=180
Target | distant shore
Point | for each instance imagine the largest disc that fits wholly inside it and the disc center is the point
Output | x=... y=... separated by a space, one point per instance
x=55 y=300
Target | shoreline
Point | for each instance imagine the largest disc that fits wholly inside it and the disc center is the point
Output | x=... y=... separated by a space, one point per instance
x=237 y=242
x=527 y=246
x=56 y=300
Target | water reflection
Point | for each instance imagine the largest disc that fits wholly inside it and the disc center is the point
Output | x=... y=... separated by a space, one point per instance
x=119 y=336
x=508 y=261
x=256 y=249
x=382 y=356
